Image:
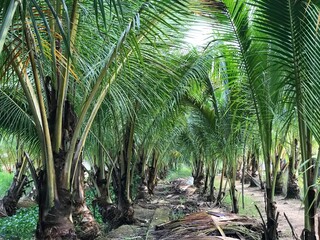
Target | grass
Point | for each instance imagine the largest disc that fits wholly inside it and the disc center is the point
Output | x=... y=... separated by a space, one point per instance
x=5 y=182
x=182 y=172
x=249 y=208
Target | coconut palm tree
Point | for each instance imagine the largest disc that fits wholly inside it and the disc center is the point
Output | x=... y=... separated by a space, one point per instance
x=274 y=43
x=260 y=87
x=64 y=61
x=293 y=48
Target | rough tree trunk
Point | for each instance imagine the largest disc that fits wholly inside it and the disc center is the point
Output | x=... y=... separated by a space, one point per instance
x=205 y=187
x=123 y=212
x=86 y=226
x=221 y=192
x=293 y=191
x=198 y=174
x=234 y=199
x=311 y=172
x=271 y=210
x=246 y=170
x=211 y=197
x=279 y=183
x=254 y=169
x=152 y=176
x=143 y=188
x=8 y=205
x=56 y=222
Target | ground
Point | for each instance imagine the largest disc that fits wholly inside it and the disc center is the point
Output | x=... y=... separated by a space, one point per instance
x=293 y=208
x=178 y=211
x=178 y=199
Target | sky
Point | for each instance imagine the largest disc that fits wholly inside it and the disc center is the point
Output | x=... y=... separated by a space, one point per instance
x=199 y=35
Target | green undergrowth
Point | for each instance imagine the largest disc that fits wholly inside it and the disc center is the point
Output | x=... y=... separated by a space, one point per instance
x=90 y=197
x=249 y=208
x=20 y=226
x=23 y=224
x=181 y=172
x=5 y=182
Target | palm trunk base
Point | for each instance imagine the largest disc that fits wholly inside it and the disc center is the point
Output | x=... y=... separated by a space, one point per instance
x=8 y=206
x=198 y=181
x=56 y=225
x=235 y=205
x=293 y=190
x=152 y=180
x=115 y=217
x=272 y=233
x=142 y=192
x=56 y=222
x=279 y=184
x=272 y=217
x=86 y=226
x=308 y=235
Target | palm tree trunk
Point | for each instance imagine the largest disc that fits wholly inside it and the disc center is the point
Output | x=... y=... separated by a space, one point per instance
x=271 y=208
x=311 y=191
x=221 y=193
x=152 y=176
x=232 y=178
x=234 y=199
x=55 y=222
x=293 y=191
x=246 y=167
x=123 y=213
x=198 y=173
x=8 y=205
x=86 y=226
x=143 y=189
x=211 y=197
x=205 y=187
x=279 y=183
x=254 y=168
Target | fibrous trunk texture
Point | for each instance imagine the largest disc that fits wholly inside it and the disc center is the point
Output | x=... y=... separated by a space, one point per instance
x=293 y=190
x=86 y=226
x=254 y=169
x=152 y=173
x=56 y=222
x=198 y=174
x=271 y=210
x=279 y=184
x=143 y=188
x=8 y=205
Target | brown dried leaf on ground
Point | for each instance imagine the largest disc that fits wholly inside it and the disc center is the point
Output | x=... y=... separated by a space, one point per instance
x=210 y=225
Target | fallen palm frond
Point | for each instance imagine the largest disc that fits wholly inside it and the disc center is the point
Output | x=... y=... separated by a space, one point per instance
x=210 y=225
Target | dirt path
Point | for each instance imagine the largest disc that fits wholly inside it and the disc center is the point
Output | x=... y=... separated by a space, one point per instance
x=292 y=208
x=175 y=200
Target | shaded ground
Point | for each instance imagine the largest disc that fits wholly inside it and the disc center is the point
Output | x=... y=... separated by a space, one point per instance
x=292 y=208
x=180 y=200
x=198 y=220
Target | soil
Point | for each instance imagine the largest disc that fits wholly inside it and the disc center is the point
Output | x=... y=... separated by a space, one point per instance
x=177 y=199
x=293 y=208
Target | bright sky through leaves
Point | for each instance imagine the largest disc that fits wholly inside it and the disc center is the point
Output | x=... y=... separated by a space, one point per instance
x=199 y=35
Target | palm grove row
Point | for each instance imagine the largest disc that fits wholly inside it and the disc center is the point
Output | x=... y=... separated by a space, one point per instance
x=113 y=84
